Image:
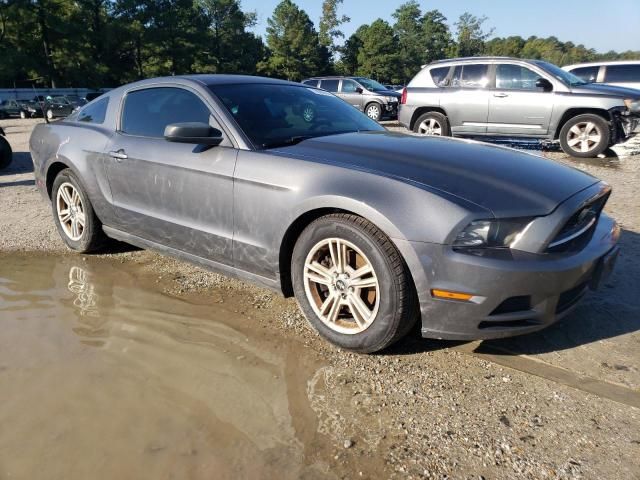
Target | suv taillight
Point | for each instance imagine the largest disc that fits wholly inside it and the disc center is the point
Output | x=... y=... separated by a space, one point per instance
x=403 y=99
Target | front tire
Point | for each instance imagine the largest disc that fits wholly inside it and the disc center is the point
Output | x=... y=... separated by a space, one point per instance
x=23 y=114
x=50 y=114
x=374 y=111
x=73 y=214
x=352 y=284
x=585 y=136
x=433 y=124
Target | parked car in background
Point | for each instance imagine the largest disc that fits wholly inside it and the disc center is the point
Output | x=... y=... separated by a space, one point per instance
x=623 y=73
x=365 y=94
x=288 y=186
x=62 y=105
x=394 y=87
x=6 y=154
x=515 y=98
x=17 y=108
x=92 y=96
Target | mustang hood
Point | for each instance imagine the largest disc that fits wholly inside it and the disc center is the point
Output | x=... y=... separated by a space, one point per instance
x=502 y=180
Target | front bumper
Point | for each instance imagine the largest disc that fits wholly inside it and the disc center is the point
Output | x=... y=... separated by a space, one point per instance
x=521 y=294
x=390 y=110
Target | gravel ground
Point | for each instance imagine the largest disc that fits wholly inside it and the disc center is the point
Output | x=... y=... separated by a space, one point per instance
x=433 y=409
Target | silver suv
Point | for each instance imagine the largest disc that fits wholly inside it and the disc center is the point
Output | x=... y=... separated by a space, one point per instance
x=367 y=95
x=510 y=97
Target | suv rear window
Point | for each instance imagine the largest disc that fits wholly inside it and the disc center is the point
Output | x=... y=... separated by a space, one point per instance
x=439 y=75
x=329 y=85
x=588 y=74
x=470 y=76
x=622 y=73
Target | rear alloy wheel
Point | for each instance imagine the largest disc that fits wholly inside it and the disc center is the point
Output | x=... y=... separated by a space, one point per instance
x=585 y=136
x=432 y=123
x=352 y=284
x=75 y=219
x=373 y=111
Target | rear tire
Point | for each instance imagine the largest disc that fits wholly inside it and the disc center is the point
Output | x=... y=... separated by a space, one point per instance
x=585 y=136
x=432 y=124
x=73 y=214
x=6 y=154
x=364 y=303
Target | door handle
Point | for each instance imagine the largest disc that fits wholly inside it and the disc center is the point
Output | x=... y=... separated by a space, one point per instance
x=119 y=155
x=500 y=95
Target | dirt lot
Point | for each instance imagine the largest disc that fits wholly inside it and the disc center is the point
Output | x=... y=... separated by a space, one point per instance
x=562 y=403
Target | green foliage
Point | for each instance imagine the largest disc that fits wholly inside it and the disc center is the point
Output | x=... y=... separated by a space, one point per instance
x=294 y=48
x=98 y=43
x=378 y=56
x=470 y=35
x=329 y=28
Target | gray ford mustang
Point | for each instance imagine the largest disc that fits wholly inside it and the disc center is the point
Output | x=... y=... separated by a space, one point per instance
x=291 y=187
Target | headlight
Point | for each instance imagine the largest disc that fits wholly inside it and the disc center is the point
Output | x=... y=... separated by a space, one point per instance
x=632 y=105
x=391 y=99
x=492 y=233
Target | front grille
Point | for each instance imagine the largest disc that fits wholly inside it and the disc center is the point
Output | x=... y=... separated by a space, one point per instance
x=578 y=229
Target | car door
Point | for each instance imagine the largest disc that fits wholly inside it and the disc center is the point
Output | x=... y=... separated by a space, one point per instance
x=351 y=92
x=516 y=105
x=466 y=99
x=175 y=194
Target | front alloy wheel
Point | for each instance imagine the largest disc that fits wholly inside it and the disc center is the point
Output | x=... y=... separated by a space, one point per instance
x=50 y=114
x=352 y=284
x=585 y=136
x=374 y=112
x=341 y=286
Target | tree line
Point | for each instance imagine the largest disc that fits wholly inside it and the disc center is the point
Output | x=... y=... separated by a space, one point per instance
x=101 y=43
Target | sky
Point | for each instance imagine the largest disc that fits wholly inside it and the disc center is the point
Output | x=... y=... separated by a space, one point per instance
x=602 y=25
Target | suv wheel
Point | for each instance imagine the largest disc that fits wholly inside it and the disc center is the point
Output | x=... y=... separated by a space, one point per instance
x=75 y=219
x=585 y=136
x=373 y=111
x=352 y=284
x=432 y=123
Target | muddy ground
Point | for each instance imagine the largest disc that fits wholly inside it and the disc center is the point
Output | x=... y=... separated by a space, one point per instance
x=562 y=403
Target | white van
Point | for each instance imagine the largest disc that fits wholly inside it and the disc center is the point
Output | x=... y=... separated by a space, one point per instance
x=623 y=73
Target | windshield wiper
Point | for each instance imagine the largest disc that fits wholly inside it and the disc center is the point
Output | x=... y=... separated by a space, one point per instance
x=286 y=141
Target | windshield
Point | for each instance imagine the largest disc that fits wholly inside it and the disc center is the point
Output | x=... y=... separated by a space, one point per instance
x=273 y=115
x=562 y=75
x=371 y=84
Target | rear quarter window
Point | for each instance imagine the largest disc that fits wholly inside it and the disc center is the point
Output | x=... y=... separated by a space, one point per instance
x=439 y=75
x=94 y=112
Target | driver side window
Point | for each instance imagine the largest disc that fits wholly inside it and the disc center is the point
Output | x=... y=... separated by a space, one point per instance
x=147 y=112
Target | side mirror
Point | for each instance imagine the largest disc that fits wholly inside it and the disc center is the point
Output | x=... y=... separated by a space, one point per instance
x=544 y=84
x=359 y=90
x=193 y=132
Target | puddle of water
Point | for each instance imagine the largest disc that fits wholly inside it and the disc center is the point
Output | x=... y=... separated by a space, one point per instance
x=103 y=376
